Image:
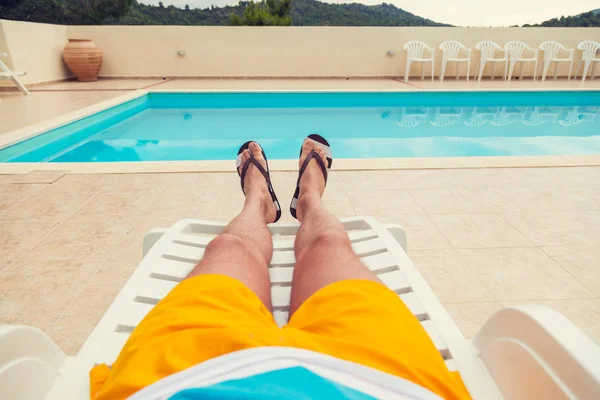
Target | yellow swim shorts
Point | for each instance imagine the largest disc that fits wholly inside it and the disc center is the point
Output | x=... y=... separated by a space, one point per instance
x=211 y=315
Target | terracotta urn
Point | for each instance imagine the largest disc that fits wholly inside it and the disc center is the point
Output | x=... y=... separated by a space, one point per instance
x=83 y=58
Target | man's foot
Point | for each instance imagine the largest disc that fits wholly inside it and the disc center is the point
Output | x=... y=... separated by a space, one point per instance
x=312 y=183
x=255 y=184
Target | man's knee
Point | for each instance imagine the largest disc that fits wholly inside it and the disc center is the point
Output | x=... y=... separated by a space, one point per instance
x=330 y=239
x=232 y=246
x=227 y=242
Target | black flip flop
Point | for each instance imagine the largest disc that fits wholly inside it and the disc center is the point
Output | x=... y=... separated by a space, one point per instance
x=323 y=144
x=265 y=173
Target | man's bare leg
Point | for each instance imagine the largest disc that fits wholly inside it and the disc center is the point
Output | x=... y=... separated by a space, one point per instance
x=244 y=250
x=323 y=251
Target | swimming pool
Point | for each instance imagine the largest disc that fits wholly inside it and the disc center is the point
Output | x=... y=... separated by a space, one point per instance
x=211 y=126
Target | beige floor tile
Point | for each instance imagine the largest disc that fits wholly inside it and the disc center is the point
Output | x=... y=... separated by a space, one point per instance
x=38 y=285
x=18 y=111
x=446 y=200
x=70 y=332
x=77 y=238
x=136 y=183
x=100 y=84
x=556 y=228
x=337 y=202
x=13 y=194
x=22 y=235
x=478 y=230
x=491 y=199
x=41 y=321
x=584 y=313
x=39 y=177
x=46 y=206
x=131 y=244
x=115 y=207
x=80 y=184
x=580 y=261
x=420 y=230
x=581 y=175
x=425 y=179
x=523 y=274
x=179 y=199
x=378 y=201
x=483 y=177
x=538 y=177
x=449 y=276
x=363 y=180
x=6 y=179
x=230 y=205
x=470 y=317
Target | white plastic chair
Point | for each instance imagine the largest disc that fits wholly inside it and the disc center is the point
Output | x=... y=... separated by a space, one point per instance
x=590 y=50
x=521 y=352
x=577 y=115
x=6 y=73
x=488 y=50
x=451 y=50
x=506 y=116
x=447 y=116
x=539 y=116
x=552 y=52
x=412 y=117
x=479 y=118
x=516 y=50
x=414 y=53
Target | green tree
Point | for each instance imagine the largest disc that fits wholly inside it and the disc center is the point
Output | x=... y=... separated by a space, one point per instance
x=187 y=7
x=264 y=13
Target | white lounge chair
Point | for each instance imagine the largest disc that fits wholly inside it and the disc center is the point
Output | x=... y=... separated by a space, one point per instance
x=507 y=116
x=412 y=117
x=516 y=54
x=577 y=115
x=520 y=352
x=590 y=56
x=451 y=50
x=415 y=50
x=481 y=116
x=552 y=51
x=488 y=51
x=447 y=116
x=542 y=115
x=6 y=73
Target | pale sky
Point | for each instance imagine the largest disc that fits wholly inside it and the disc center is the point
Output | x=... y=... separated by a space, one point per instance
x=461 y=12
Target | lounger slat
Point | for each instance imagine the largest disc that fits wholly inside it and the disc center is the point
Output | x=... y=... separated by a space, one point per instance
x=414 y=305
x=283 y=258
x=170 y=268
x=280 y=275
x=378 y=262
x=355 y=237
x=395 y=281
x=280 y=297
x=183 y=253
x=281 y=317
x=451 y=365
x=114 y=343
x=199 y=241
x=153 y=290
x=368 y=247
x=132 y=315
x=435 y=337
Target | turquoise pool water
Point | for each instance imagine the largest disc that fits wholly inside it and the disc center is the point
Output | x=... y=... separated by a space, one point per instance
x=211 y=126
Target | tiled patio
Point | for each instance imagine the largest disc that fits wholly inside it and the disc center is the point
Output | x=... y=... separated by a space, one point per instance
x=483 y=238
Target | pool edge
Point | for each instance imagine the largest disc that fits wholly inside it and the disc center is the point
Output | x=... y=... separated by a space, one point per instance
x=345 y=164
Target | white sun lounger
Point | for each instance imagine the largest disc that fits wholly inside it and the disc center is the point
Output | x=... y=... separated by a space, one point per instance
x=6 y=73
x=521 y=352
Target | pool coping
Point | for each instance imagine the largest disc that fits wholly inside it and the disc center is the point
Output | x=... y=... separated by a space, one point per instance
x=348 y=164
